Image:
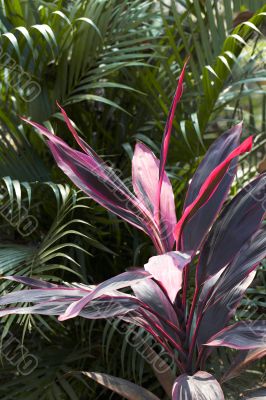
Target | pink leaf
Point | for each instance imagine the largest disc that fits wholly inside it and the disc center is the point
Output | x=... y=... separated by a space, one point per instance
x=166 y=140
x=145 y=175
x=100 y=182
x=85 y=147
x=201 y=386
x=117 y=282
x=167 y=269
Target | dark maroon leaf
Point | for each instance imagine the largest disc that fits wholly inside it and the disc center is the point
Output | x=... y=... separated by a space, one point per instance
x=149 y=293
x=248 y=258
x=219 y=311
x=250 y=255
x=220 y=298
x=239 y=220
x=244 y=335
x=216 y=154
x=103 y=190
x=196 y=230
x=208 y=189
x=259 y=394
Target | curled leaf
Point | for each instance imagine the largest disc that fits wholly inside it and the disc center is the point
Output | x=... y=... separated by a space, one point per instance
x=201 y=386
x=167 y=269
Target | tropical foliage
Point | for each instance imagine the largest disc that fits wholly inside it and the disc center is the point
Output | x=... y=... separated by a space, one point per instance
x=113 y=66
x=229 y=254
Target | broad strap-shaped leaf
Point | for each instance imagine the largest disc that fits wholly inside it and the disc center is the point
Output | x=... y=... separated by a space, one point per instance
x=150 y=294
x=88 y=172
x=259 y=394
x=167 y=269
x=239 y=220
x=55 y=299
x=166 y=141
x=107 y=287
x=195 y=231
x=248 y=258
x=104 y=307
x=125 y=307
x=207 y=290
x=96 y=186
x=201 y=386
x=85 y=147
x=151 y=324
x=219 y=311
x=216 y=154
x=124 y=388
x=224 y=281
x=243 y=359
x=223 y=284
x=32 y=282
x=145 y=175
x=88 y=160
x=42 y=308
x=48 y=299
x=116 y=305
x=42 y=295
x=244 y=335
x=207 y=190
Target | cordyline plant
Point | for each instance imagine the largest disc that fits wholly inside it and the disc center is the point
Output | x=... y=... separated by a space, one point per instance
x=224 y=245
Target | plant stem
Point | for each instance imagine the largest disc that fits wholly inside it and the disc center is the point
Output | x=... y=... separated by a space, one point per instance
x=176 y=345
x=165 y=335
x=185 y=285
x=193 y=342
x=192 y=310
